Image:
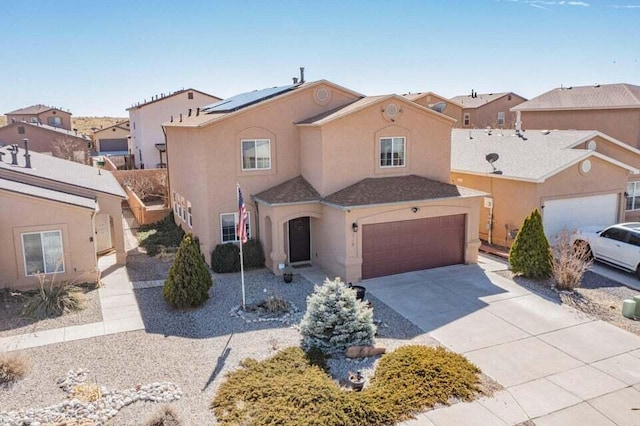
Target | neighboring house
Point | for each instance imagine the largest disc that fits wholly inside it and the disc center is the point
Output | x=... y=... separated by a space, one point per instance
x=48 y=140
x=613 y=109
x=356 y=185
x=481 y=110
x=575 y=178
x=112 y=139
x=57 y=215
x=147 y=138
x=435 y=101
x=42 y=114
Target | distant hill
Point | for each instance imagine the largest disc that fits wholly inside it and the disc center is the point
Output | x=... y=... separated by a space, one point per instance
x=84 y=124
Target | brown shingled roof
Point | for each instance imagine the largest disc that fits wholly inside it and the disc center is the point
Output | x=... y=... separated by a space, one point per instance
x=397 y=189
x=296 y=190
x=34 y=109
x=585 y=97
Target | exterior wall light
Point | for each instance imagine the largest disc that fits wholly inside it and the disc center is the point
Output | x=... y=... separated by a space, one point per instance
x=354 y=227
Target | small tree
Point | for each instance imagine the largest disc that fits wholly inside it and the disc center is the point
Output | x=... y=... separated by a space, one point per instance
x=570 y=261
x=189 y=279
x=335 y=319
x=147 y=185
x=530 y=254
x=71 y=149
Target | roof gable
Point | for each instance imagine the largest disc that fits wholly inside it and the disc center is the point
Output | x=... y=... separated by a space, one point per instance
x=163 y=97
x=417 y=96
x=35 y=109
x=481 y=99
x=605 y=96
x=293 y=191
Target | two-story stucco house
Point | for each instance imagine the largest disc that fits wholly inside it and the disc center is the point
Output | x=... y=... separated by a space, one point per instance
x=57 y=216
x=357 y=185
x=481 y=110
x=146 y=118
x=42 y=114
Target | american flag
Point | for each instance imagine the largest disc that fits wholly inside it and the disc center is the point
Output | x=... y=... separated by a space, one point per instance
x=241 y=231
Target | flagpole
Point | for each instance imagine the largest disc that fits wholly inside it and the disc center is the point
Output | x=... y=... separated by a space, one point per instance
x=241 y=244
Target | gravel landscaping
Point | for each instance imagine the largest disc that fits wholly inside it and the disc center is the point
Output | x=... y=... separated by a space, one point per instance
x=598 y=296
x=12 y=323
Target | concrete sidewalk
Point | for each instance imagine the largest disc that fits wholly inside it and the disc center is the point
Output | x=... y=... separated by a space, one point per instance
x=558 y=366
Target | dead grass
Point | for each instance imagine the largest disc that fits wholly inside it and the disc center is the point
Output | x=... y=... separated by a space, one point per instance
x=570 y=262
x=89 y=392
x=87 y=124
x=166 y=416
x=13 y=367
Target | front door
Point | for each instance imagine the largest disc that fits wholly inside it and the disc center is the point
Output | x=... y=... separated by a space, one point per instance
x=299 y=240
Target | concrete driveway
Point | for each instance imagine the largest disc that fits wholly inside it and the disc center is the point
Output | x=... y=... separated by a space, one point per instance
x=558 y=366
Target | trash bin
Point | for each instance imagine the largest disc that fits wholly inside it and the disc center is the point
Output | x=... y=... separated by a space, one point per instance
x=360 y=291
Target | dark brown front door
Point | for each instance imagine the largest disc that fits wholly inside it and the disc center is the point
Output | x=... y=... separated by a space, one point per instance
x=299 y=240
x=411 y=245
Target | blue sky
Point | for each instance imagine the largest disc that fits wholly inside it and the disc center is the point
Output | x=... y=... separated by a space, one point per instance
x=99 y=57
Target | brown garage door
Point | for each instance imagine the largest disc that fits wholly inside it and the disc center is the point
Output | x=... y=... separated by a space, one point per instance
x=411 y=245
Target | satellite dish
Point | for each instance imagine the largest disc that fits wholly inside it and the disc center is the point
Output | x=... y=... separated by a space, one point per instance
x=492 y=158
x=439 y=107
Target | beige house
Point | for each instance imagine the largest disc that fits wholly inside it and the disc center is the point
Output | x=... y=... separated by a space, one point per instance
x=435 y=101
x=112 y=139
x=613 y=109
x=41 y=114
x=481 y=110
x=575 y=178
x=146 y=118
x=47 y=140
x=354 y=184
x=57 y=216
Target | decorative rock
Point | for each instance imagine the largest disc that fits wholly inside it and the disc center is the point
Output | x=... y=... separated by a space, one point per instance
x=364 y=351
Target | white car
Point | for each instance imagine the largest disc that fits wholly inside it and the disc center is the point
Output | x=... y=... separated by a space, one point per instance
x=617 y=245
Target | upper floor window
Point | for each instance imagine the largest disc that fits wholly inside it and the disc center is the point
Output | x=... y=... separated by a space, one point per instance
x=466 y=119
x=183 y=209
x=633 y=196
x=42 y=252
x=501 y=118
x=189 y=215
x=175 y=202
x=190 y=95
x=34 y=120
x=392 y=152
x=256 y=154
x=228 y=223
x=54 y=121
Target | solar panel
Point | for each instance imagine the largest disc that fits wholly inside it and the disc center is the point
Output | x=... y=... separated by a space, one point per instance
x=242 y=100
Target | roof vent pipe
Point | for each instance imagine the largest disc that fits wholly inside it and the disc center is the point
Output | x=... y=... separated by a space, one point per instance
x=189 y=113
x=197 y=111
x=181 y=117
x=27 y=156
x=172 y=119
x=1 y=155
x=295 y=80
x=301 y=75
x=14 y=154
x=518 y=122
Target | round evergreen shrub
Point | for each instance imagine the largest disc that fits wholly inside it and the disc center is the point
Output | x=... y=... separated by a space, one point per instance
x=189 y=280
x=252 y=254
x=225 y=258
x=530 y=254
x=335 y=319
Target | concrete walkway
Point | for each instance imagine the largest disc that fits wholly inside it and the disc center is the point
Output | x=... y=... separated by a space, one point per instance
x=557 y=365
x=120 y=313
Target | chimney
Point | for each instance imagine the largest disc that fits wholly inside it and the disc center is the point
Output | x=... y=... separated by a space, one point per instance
x=301 y=75
x=14 y=154
x=27 y=156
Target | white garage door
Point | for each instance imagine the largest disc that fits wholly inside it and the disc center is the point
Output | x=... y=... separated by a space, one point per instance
x=572 y=213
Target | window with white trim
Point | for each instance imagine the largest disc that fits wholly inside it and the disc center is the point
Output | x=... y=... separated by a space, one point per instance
x=392 y=152
x=256 y=154
x=467 y=119
x=189 y=215
x=228 y=223
x=42 y=252
x=500 y=118
x=175 y=202
x=183 y=208
x=633 y=196
x=55 y=121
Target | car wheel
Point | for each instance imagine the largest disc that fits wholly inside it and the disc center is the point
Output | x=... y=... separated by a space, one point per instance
x=582 y=247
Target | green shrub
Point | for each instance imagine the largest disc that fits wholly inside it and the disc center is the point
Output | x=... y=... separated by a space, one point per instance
x=225 y=258
x=53 y=299
x=166 y=416
x=13 y=367
x=530 y=254
x=413 y=378
x=164 y=233
x=288 y=390
x=252 y=254
x=335 y=319
x=189 y=280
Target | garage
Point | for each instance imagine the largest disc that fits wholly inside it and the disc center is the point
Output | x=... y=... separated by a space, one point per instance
x=111 y=145
x=411 y=245
x=573 y=213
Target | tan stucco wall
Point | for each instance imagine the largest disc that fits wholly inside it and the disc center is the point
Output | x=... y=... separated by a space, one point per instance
x=22 y=214
x=514 y=200
x=205 y=164
x=622 y=124
x=111 y=133
x=487 y=115
x=44 y=117
x=40 y=139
